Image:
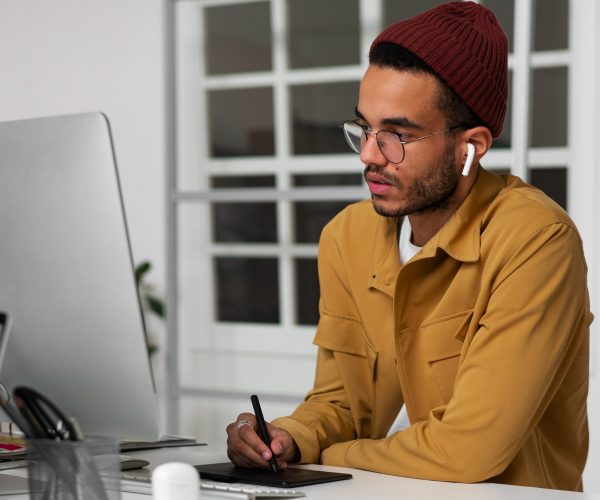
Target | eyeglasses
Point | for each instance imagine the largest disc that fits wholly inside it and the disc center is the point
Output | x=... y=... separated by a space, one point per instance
x=391 y=144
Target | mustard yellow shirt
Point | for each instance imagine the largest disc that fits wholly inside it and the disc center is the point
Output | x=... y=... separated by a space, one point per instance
x=484 y=335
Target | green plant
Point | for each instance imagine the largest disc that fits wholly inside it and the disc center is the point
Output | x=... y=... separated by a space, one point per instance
x=150 y=302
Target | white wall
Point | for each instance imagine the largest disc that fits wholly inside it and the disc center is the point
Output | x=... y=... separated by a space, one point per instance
x=67 y=56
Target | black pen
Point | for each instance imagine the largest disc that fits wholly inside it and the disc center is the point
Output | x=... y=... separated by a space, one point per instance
x=262 y=429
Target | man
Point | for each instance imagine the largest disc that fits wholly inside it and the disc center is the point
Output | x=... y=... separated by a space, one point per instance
x=454 y=314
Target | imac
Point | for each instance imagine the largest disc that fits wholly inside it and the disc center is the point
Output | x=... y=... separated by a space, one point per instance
x=66 y=277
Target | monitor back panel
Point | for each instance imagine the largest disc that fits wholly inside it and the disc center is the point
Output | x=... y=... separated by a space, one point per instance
x=66 y=276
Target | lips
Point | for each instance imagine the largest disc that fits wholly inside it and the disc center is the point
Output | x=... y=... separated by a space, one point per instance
x=377 y=184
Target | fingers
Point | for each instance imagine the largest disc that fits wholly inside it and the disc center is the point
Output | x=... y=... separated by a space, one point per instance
x=283 y=445
x=244 y=445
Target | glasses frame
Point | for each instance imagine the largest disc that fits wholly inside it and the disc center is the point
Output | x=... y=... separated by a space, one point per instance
x=402 y=142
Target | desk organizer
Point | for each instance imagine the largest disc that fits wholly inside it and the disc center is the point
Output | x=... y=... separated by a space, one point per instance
x=74 y=470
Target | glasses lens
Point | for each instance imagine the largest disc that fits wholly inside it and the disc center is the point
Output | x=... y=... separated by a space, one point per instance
x=355 y=136
x=390 y=145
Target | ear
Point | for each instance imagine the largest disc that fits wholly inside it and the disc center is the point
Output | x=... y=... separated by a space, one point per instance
x=476 y=142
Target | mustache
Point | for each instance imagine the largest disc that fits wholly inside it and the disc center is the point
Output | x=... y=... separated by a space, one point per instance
x=369 y=169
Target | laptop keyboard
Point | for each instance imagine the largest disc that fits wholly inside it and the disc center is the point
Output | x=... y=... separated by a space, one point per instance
x=134 y=483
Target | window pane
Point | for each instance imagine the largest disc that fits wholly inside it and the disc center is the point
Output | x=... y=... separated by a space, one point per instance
x=396 y=10
x=318 y=111
x=504 y=141
x=549 y=115
x=327 y=180
x=553 y=181
x=241 y=122
x=235 y=45
x=323 y=33
x=247 y=289
x=505 y=13
x=551 y=22
x=244 y=222
x=307 y=291
x=311 y=216
x=243 y=181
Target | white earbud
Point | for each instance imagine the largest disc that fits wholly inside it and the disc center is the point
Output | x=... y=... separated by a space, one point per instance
x=469 y=160
x=175 y=481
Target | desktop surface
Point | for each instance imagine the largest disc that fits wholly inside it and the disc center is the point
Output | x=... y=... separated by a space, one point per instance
x=371 y=485
x=367 y=485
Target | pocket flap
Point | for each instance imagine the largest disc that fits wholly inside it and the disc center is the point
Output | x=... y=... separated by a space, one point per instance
x=443 y=337
x=341 y=335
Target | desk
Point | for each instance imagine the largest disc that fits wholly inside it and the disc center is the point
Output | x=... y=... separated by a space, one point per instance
x=367 y=485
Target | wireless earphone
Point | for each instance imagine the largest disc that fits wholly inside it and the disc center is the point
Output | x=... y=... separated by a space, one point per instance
x=469 y=160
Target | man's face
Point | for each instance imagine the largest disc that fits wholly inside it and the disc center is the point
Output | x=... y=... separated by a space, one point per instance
x=403 y=102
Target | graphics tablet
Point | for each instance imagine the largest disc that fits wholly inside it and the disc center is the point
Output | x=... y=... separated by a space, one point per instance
x=290 y=478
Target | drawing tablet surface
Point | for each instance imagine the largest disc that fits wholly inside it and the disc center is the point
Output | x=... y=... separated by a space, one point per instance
x=290 y=478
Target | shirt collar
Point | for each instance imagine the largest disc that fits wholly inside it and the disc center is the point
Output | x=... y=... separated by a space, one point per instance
x=460 y=237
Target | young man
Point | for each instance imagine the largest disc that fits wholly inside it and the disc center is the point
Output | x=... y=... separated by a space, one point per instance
x=453 y=336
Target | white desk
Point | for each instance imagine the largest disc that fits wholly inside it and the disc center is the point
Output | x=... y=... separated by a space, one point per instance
x=368 y=485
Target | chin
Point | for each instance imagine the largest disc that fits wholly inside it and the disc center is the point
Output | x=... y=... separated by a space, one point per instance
x=385 y=209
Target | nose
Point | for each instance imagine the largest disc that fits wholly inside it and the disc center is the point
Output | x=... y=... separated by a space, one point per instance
x=370 y=154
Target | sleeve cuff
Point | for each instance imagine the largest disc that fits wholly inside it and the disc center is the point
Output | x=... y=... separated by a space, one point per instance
x=337 y=454
x=304 y=437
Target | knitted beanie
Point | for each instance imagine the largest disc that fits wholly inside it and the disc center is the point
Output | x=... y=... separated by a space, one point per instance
x=465 y=46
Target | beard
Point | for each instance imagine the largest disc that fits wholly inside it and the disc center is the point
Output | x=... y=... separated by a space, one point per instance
x=431 y=192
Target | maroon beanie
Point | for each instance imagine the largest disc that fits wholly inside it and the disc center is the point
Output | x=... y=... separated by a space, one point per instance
x=464 y=44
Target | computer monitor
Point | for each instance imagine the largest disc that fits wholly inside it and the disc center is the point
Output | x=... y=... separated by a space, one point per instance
x=67 y=279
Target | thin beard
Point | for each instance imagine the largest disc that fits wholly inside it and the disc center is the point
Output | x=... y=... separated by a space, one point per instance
x=435 y=205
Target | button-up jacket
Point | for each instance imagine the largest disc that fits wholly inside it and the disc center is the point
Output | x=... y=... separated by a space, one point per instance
x=483 y=335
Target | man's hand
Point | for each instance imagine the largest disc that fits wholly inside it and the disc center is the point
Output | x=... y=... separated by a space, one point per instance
x=246 y=449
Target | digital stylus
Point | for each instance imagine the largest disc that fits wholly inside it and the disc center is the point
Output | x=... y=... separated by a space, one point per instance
x=262 y=429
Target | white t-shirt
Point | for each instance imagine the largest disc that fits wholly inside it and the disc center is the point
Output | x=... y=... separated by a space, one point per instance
x=407 y=252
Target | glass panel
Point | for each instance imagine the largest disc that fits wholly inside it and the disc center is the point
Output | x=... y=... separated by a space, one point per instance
x=553 y=181
x=323 y=33
x=241 y=122
x=396 y=10
x=244 y=222
x=235 y=45
x=549 y=115
x=551 y=23
x=505 y=13
x=307 y=291
x=327 y=180
x=247 y=289
x=504 y=141
x=311 y=216
x=318 y=110
x=243 y=181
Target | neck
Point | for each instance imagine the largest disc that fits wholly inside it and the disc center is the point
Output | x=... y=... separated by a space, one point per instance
x=426 y=224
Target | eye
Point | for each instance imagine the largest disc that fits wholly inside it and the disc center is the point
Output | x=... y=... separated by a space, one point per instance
x=365 y=127
x=404 y=137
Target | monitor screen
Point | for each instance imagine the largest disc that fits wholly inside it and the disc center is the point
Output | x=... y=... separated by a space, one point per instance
x=66 y=276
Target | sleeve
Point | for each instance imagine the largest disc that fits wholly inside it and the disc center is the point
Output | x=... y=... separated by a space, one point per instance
x=535 y=322
x=328 y=415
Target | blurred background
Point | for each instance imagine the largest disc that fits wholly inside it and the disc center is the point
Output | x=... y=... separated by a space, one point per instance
x=225 y=118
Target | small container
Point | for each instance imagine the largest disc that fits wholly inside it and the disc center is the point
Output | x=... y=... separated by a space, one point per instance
x=74 y=470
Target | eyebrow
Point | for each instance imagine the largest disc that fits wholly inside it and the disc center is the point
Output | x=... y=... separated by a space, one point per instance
x=401 y=121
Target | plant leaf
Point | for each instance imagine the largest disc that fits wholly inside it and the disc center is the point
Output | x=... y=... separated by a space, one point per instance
x=141 y=270
x=156 y=305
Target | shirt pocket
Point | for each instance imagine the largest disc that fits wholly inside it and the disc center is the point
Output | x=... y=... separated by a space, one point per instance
x=356 y=360
x=443 y=340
